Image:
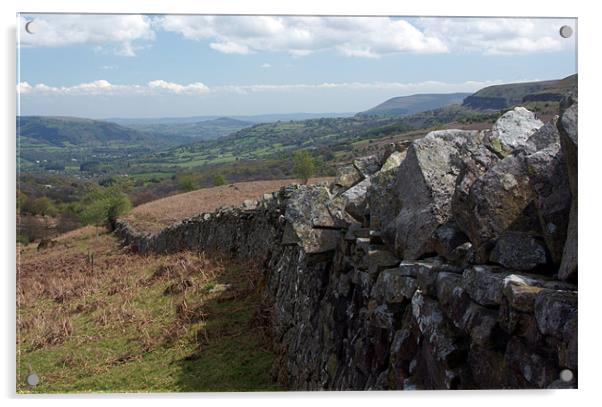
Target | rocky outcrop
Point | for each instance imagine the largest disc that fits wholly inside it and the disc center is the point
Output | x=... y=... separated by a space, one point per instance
x=446 y=266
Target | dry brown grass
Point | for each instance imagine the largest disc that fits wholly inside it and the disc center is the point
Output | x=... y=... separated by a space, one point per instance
x=153 y=216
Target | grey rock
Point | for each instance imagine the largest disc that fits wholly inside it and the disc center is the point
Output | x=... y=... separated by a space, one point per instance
x=485 y=284
x=496 y=202
x=308 y=215
x=425 y=183
x=549 y=180
x=382 y=199
x=447 y=238
x=567 y=126
x=512 y=130
x=393 y=286
x=535 y=368
x=546 y=136
x=347 y=176
x=356 y=199
x=519 y=251
x=479 y=322
x=393 y=161
x=380 y=259
x=367 y=165
x=434 y=327
x=553 y=309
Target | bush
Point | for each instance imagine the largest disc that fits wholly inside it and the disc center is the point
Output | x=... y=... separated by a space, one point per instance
x=103 y=206
x=187 y=182
x=219 y=180
x=303 y=165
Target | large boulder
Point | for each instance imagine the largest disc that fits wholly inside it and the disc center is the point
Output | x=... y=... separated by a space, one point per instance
x=382 y=199
x=552 y=198
x=310 y=222
x=347 y=176
x=356 y=199
x=567 y=126
x=496 y=202
x=519 y=251
x=512 y=130
x=368 y=165
x=425 y=185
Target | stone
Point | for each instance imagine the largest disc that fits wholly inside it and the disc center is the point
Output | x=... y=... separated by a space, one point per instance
x=489 y=368
x=382 y=199
x=393 y=161
x=426 y=274
x=484 y=284
x=447 y=238
x=368 y=165
x=380 y=259
x=425 y=183
x=479 y=322
x=567 y=127
x=356 y=199
x=521 y=297
x=453 y=297
x=553 y=309
x=535 y=368
x=393 y=286
x=519 y=251
x=548 y=178
x=434 y=327
x=546 y=136
x=347 y=176
x=512 y=130
x=497 y=201
x=311 y=221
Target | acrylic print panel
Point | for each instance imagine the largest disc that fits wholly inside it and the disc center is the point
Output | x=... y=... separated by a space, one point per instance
x=272 y=203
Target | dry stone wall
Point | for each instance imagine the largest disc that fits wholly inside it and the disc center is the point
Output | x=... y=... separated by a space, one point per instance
x=444 y=264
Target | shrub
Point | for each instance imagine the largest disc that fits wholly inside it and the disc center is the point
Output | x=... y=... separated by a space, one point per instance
x=103 y=206
x=187 y=182
x=219 y=180
x=303 y=165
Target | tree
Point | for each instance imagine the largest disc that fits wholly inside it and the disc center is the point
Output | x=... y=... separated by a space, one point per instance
x=187 y=182
x=103 y=206
x=303 y=165
x=219 y=180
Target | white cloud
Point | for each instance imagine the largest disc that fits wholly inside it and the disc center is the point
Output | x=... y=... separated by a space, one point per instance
x=498 y=35
x=57 y=30
x=362 y=37
x=266 y=65
x=299 y=36
x=103 y=87
x=196 y=87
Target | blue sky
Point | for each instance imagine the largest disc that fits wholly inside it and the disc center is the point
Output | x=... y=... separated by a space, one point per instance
x=147 y=66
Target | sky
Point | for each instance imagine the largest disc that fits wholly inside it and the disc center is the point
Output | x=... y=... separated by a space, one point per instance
x=100 y=66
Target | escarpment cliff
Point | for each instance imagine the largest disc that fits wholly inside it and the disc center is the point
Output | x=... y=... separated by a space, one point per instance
x=447 y=263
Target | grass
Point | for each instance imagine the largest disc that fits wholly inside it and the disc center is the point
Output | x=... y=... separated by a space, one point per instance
x=155 y=215
x=130 y=323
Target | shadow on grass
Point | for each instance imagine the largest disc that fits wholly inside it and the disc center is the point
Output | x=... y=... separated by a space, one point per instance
x=233 y=351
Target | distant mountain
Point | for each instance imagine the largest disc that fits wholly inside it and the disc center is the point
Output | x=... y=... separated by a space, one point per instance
x=203 y=130
x=261 y=118
x=407 y=105
x=503 y=96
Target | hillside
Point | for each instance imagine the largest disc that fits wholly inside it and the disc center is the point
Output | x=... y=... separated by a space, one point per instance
x=406 y=105
x=504 y=96
x=155 y=215
x=258 y=118
x=124 y=323
x=67 y=141
x=203 y=130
